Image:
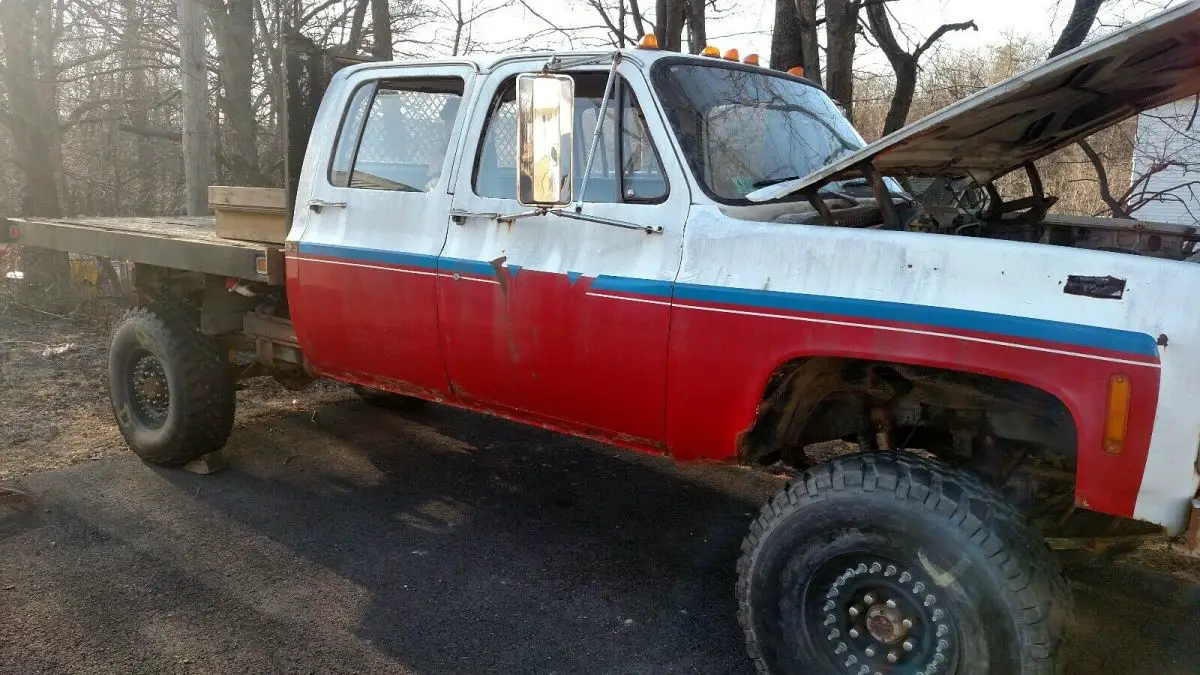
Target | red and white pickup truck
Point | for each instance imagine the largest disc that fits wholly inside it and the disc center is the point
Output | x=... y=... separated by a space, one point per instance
x=699 y=257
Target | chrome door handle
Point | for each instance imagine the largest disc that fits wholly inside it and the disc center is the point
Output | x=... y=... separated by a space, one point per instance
x=315 y=205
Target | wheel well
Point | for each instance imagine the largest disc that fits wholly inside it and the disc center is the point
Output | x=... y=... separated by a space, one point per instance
x=965 y=419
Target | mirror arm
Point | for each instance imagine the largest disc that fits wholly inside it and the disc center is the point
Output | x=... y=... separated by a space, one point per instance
x=587 y=167
x=575 y=215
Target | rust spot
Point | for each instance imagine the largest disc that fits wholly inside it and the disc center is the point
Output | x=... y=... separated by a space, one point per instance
x=501 y=273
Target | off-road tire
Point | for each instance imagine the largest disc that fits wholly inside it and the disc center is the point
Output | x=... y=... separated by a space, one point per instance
x=1005 y=604
x=387 y=400
x=199 y=415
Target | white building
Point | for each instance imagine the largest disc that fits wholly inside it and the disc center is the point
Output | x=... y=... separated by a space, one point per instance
x=1167 y=150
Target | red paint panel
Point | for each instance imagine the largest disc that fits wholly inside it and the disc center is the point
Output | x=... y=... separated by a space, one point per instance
x=376 y=324
x=720 y=363
x=539 y=345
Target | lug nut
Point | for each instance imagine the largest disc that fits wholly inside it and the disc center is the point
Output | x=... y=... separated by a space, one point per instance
x=907 y=623
x=828 y=606
x=893 y=657
x=864 y=670
x=853 y=632
x=908 y=645
x=841 y=648
x=834 y=634
x=942 y=629
x=890 y=571
x=938 y=614
x=918 y=587
x=891 y=604
x=869 y=651
x=875 y=567
x=854 y=610
x=869 y=599
x=905 y=577
x=830 y=620
x=861 y=569
x=851 y=660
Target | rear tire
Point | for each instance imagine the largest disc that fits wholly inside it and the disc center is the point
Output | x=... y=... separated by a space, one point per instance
x=170 y=385
x=881 y=556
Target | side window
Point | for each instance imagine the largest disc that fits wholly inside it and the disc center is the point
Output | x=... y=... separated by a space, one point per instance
x=626 y=167
x=398 y=140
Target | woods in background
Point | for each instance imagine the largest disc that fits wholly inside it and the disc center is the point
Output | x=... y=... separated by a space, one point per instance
x=92 y=104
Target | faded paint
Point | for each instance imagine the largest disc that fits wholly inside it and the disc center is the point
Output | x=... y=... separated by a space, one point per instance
x=667 y=341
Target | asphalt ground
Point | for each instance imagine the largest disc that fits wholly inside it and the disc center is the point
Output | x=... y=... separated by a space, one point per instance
x=350 y=539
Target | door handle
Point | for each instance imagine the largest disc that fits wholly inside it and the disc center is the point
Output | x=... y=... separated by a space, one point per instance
x=315 y=205
x=459 y=216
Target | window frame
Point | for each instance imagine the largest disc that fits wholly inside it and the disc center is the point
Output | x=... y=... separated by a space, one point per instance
x=374 y=84
x=620 y=87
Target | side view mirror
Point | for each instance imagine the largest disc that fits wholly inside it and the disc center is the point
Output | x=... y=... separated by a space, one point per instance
x=545 y=124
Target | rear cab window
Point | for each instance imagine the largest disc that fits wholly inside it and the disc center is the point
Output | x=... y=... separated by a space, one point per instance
x=395 y=133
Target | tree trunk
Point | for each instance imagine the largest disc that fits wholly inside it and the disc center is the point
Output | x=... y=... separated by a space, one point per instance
x=841 y=19
x=233 y=30
x=697 y=33
x=806 y=15
x=29 y=78
x=135 y=108
x=381 y=29
x=1083 y=15
x=906 y=87
x=787 y=41
x=195 y=105
x=668 y=18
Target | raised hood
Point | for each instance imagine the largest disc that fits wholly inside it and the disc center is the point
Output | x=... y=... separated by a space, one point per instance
x=1030 y=115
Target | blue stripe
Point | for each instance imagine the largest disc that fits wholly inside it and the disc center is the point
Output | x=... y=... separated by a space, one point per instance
x=869 y=310
x=371 y=255
x=629 y=285
x=939 y=317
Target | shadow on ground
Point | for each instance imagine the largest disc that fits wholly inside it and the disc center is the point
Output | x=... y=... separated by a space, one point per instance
x=438 y=542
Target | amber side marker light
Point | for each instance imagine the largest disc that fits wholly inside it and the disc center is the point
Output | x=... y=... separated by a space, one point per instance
x=1116 y=418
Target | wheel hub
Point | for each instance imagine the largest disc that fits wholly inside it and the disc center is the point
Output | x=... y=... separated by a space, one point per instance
x=875 y=617
x=885 y=624
x=150 y=394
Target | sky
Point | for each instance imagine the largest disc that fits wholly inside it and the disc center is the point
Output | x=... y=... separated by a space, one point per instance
x=746 y=24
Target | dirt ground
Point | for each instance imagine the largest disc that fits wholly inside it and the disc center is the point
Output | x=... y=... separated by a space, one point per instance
x=54 y=391
x=321 y=475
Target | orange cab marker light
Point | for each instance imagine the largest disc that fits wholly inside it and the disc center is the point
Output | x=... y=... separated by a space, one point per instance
x=710 y=51
x=798 y=71
x=751 y=60
x=1116 y=418
x=731 y=55
x=648 y=41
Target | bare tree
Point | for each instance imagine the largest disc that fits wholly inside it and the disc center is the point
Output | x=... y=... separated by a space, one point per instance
x=1079 y=24
x=841 y=21
x=904 y=64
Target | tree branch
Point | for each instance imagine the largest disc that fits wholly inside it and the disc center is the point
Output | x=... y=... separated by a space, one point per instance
x=942 y=30
x=1118 y=210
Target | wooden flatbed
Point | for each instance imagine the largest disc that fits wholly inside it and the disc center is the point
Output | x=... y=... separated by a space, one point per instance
x=176 y=242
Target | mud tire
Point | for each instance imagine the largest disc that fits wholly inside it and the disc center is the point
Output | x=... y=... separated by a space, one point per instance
x=1004 y=601
x=200 y=391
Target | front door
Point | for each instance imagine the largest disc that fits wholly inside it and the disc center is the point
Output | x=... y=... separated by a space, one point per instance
x=561 y=320
x=364 y=290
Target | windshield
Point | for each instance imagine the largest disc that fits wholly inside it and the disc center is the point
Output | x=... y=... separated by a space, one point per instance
x=741 y=129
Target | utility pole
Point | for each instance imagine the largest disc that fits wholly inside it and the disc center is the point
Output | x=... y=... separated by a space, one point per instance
x=195 y=105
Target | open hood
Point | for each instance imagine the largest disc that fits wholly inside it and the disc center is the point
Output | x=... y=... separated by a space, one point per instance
x=1030 y=115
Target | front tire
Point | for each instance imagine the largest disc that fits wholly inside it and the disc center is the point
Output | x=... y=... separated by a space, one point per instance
x=170 y=385
x=883 y=562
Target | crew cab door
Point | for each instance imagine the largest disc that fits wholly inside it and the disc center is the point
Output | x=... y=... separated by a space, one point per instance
x=561 y=320
x=374 y=215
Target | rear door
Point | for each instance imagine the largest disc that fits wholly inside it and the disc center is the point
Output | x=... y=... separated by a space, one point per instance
x=556 y=319
x=363 y=290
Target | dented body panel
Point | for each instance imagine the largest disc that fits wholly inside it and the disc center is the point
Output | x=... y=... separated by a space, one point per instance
x=664 y=333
